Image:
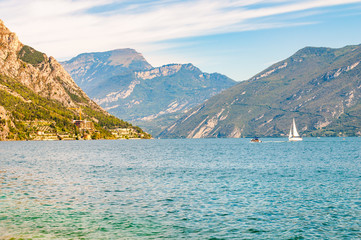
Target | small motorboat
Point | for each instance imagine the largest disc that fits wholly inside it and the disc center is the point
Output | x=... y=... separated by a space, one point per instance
x=255 y=139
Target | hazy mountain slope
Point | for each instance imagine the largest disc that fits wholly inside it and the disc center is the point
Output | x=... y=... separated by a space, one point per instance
x=150 y=97
x=320 y=87
x=35 y=88
x=88 y=69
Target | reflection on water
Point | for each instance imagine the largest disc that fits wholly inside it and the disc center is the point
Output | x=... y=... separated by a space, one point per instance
x=198 y=189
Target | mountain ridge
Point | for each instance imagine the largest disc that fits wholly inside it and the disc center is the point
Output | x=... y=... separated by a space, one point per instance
x=320 y=87
x=151 y=97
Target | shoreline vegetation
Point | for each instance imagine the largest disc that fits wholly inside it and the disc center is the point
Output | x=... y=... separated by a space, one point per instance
x=29 y=116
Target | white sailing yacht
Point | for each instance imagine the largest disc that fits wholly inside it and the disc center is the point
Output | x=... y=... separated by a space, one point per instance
x=294 y=136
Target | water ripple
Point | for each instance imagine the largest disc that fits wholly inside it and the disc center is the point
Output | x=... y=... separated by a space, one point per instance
x=181 y=189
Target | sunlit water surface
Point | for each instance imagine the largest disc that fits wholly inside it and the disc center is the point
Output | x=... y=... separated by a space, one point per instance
x=181 y=189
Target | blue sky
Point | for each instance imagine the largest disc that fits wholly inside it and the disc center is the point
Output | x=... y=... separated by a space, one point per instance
x=238 y=38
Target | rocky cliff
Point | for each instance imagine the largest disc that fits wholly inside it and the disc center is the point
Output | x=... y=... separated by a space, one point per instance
x=34 y=86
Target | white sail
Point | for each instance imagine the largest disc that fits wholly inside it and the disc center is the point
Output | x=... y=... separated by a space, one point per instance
x=295 y=133
x=294 y=136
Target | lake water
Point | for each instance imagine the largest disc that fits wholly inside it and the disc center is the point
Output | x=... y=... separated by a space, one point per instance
x=181 y=189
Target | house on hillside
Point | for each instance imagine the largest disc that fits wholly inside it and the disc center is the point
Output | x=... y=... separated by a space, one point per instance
x=84 y=125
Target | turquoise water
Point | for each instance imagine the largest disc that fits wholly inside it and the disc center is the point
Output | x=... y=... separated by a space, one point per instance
x=181 y=189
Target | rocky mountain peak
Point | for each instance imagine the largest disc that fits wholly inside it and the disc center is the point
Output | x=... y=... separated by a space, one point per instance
x=34 y=69
x=9 y=42
x=310 y=52
x=119 y=57
x=125 y=57
x=165 y=70
x=190 y=66
x=3 y=28
x=92 y=67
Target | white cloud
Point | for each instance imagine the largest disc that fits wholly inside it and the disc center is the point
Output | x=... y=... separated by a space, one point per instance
x=64 y=28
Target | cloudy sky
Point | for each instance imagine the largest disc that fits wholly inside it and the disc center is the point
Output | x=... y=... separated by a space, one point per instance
x=237 y=38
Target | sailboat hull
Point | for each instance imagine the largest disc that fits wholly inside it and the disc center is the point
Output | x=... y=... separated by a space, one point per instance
x=295 y=139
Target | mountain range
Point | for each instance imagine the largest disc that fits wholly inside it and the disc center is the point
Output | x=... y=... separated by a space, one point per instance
x=126 y=85
x=319 y=87
x=38 y=97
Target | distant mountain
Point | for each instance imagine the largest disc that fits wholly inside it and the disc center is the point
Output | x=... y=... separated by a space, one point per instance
x=131 y=89
x=38 y=97
x=88 y=69
x=319 y=87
